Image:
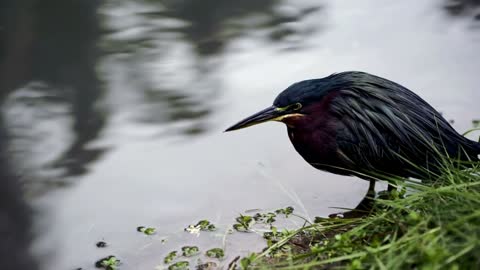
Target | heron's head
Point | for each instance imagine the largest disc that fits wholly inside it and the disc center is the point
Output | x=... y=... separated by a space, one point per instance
x=300 y=100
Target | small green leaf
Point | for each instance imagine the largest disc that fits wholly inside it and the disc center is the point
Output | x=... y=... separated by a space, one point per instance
x=146 y=230
x=192 y=229
x=189 y=251
x=101 y=244
x=247 y=261
x=215 y=253
x=267 y=218
x=476 y=123
x=244 y=223
x=149 y=231
x=240 y=227
x=207 y=266
x=109 y=263
x=245 y=220
x=202 y=225
x=286 y=211
x=274 y=236
x=170 y=257
x=183 y=265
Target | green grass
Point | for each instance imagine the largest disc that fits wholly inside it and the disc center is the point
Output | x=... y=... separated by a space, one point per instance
x=429 y=227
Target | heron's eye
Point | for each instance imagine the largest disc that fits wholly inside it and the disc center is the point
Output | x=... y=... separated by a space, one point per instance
x=292 y=107
x=297 y=106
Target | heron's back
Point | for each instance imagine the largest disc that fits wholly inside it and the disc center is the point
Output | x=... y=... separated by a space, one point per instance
x=382 y=126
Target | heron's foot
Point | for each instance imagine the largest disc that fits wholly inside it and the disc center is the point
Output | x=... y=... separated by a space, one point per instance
x=386 y=195
x=392 y=193
x=350 y=214
x=364 y=208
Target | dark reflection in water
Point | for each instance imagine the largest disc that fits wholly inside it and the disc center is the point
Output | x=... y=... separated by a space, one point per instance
x=208 y=27
x=463 y=8
x=65 y=55
x=53 y=42
x=211 y=24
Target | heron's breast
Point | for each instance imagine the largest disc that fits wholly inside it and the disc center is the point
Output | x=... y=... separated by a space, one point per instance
x=315 y=146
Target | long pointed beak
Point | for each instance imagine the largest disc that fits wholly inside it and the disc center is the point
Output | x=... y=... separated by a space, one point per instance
x=268 y=114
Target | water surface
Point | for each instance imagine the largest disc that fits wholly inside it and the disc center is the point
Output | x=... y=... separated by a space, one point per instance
x=122 y=115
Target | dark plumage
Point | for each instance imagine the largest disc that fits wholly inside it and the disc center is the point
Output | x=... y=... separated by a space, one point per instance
x=355 y=123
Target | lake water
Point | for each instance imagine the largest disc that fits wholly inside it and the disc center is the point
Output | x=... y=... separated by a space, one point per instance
x=122 y=113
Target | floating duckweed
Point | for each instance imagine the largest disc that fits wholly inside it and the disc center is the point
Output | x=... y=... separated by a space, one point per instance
x=215 y=253
x=101 y=244
x=476 y=123
x=207 y=266
x=240 y=228
x=146 y=230
x=273 y=236
x=189 y=251
x=205 y=225
x=183 y=265
x=170 y=257
x=149 y=231
x=192 y=229
x=202 y=225
x=109 y=263
x=267 y=218
x=244 y=223
x=246 y=262
x=286 y=211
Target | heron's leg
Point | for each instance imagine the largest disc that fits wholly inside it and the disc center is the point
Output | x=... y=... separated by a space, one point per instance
x=389 y=193
x=364 y=207
x=366 y=203
x=371 y=187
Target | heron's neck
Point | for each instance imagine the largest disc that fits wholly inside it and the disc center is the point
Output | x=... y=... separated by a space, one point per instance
x=306 y=123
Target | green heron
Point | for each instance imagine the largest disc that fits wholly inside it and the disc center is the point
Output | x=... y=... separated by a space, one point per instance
x=355 y=123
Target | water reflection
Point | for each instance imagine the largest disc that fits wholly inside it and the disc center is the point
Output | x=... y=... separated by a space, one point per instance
x=51 y=74
x=210 y=25
x=79 y=75
x=468 y=8
x=172 y=51
x=69 y=50
x=54 y=64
